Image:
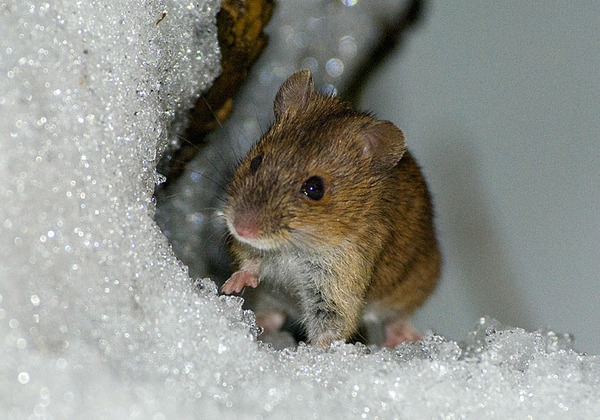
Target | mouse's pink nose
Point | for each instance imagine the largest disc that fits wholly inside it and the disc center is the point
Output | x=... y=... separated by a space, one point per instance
x=246 y=225
x=245 y=230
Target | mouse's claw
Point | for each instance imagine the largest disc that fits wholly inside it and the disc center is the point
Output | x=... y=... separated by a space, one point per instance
x=238 y=281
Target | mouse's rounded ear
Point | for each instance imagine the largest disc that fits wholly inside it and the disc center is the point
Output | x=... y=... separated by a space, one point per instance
x=384 y=144
x=295 y=91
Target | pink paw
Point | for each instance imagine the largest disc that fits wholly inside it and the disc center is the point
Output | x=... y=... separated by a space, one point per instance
x=238 y=281
x=271 y=322
x=399 y=332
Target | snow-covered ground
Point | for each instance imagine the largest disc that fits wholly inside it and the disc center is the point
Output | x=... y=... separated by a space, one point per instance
x=99 y=319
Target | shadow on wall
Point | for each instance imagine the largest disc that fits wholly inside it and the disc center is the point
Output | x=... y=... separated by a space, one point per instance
x=470 y=235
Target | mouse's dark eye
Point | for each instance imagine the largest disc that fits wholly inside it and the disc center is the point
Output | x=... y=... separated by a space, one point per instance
x=313 y=188
x=255 y=163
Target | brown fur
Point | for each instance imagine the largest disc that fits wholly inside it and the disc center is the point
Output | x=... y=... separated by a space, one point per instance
x=369 y=240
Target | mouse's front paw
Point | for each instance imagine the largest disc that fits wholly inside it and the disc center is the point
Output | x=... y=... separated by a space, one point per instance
x=239 y=280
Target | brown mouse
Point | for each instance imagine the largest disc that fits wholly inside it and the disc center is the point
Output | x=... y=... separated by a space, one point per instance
x=330 y=207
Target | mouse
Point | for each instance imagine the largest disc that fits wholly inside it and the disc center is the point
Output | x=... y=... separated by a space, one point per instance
x=331 y=211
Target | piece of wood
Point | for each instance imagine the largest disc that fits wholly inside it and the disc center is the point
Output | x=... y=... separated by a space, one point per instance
x=240 y=25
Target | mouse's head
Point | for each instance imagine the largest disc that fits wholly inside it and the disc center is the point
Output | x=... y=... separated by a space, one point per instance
x=315 y=176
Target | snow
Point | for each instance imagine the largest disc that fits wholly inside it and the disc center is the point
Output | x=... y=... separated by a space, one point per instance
x=98 y=317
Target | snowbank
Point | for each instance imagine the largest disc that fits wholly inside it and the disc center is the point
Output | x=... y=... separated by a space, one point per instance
x=99 y=319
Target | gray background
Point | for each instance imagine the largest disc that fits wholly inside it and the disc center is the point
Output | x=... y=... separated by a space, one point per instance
x=499 y=102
